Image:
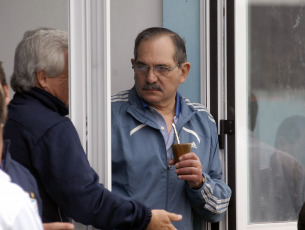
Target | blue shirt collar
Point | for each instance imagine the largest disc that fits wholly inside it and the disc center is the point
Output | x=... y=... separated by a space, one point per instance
x=178 y=106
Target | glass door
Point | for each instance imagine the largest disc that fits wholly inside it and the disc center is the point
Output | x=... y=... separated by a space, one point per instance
x=89 y=29
x=270 y=113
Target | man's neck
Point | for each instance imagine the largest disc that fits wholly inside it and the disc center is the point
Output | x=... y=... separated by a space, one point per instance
x=167 y=109
x=168 y=113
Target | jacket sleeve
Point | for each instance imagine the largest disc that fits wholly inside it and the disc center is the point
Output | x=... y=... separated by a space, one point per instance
x=212 y=199
x=67 y=176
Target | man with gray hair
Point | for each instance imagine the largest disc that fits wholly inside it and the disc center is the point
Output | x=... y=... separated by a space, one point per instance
x=46 y=142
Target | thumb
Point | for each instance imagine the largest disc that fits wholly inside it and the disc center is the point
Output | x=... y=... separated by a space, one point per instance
x=58 y=226
x=174 y=216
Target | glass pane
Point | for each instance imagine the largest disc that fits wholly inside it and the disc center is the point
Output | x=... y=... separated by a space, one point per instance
x=276 y=51
x=125 y=25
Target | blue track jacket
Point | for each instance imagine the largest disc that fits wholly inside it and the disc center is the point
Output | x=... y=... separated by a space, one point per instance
x=140 y=167
x=47 y=144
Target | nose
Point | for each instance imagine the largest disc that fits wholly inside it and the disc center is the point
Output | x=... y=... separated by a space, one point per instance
x=151 y=76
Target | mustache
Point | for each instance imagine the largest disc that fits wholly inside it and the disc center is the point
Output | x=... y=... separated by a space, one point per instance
x=152 y=86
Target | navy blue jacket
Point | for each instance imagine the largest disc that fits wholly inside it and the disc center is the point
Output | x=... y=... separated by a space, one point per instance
x=21 y=176
x=47 y=144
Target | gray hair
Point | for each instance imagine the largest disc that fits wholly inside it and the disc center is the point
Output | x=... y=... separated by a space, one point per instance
x=40 y=49
x=154 y=32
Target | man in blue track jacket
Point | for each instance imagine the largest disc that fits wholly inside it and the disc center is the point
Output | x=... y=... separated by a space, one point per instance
x=45 y=141
x=142 y=136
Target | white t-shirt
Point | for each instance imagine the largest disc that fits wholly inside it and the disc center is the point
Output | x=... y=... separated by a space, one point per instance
x=16 y=210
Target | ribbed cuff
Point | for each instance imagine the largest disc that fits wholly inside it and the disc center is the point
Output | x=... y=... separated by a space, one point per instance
x=147 y=218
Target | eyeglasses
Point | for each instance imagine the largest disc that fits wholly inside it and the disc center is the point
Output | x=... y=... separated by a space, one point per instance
x=159 y=70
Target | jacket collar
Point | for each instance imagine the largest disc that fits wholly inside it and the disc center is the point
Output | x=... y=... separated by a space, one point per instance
x=146 y=117
x=49 y=101
x=178 y=106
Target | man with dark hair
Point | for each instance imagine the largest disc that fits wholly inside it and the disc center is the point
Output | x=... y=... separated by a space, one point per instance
x=290 y=137
x=276 y=179
x=142 y=136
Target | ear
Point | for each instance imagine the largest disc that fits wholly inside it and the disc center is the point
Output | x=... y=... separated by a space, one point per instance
x=185 y=69
x=132 y=63
x=41 y=79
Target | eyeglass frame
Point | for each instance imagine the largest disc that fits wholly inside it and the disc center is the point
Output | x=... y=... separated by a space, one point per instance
x=158 y=74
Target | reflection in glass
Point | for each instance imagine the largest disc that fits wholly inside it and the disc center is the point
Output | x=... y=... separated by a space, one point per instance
x=276 y=109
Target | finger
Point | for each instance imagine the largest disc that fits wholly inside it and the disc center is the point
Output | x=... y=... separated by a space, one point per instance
x=188 y=164
x=58 y=226
x=189 y=171
x=174 y=216
x=189 y=178
x=189 y=156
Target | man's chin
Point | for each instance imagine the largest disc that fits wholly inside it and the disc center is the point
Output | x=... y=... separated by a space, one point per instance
x=150 y=99
x=151 y=91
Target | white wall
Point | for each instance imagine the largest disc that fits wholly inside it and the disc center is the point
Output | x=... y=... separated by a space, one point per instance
x=128 y=18
x=17 y=16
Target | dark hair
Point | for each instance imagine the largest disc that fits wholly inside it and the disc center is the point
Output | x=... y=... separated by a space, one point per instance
x=3 y=107
x=2 y=76
x=153 y=32
x=290 y=129
x=253 y=110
